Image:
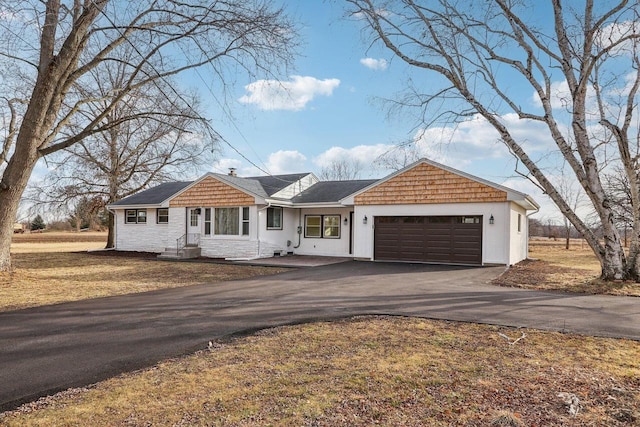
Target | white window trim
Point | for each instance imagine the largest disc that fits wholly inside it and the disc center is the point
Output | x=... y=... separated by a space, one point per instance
x=126 y=217
x=274 y=209
x=158 y=216
x=322 y=227
x=238 y=236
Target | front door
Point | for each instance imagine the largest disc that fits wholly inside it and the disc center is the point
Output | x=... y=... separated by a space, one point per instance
x=193 y=226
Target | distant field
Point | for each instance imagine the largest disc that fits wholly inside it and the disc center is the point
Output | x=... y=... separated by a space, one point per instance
x=58 y=242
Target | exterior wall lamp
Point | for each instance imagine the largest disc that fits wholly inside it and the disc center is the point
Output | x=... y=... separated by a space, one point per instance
x=345 y=221
x=364 y=220
x=491 y=219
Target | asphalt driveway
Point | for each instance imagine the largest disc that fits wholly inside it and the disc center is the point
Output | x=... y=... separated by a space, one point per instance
x=47 y=349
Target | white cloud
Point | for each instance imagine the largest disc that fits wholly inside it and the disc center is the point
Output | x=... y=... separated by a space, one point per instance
x=476 y=140
x=614 y=33
x=292 y=95
x=364 y=154
x=289 y=161
x=560 y=96
x=223 y=165
x=375 y=64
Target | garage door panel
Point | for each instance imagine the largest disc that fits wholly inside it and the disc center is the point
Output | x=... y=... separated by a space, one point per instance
x=443 y=239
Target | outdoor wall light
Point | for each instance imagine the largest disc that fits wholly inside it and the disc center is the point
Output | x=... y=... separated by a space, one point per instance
x=345 y=221
x=365 y=219
x=198 y=211
x=491 y=220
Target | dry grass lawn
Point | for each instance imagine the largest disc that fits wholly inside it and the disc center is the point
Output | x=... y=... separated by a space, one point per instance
x=367 y=371
x=553 y=267
x=46 y=273
x=357 y=372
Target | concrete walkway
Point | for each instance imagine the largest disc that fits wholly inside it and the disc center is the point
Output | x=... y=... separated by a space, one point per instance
x=47 y=349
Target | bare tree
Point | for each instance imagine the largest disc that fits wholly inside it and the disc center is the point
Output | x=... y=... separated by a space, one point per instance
x=568 y=189
x=399 y=156
x=48 y=48
x=483 y=50
x=341 y=170
x=151 y=137
x=617 y=186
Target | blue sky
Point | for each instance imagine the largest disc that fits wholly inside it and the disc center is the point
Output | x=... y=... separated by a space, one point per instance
x=329 y=107
x=333 y=109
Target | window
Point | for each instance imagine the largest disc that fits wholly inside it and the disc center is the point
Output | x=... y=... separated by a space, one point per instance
x=312 y=226
x=245 y=221
x=162 y=216
x=193 y=217
x=207 y=221
x=227 y=221
x=331 y=224
x=135 y=216
x=519 y=223
x=274 y=218
x=323 y=226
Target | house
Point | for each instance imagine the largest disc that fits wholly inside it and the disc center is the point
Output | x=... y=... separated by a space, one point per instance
x=426 y=212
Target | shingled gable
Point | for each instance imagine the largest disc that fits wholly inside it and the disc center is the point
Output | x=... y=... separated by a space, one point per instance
x=429 y=182
x=219 y=190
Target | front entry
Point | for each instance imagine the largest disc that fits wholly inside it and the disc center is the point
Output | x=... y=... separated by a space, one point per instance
x=193 y=226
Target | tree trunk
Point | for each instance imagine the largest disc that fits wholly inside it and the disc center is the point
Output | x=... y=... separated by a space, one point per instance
x=14 y=182
x=111 y=236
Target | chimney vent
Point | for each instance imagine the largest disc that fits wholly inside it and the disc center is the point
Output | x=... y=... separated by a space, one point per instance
x=232 y=172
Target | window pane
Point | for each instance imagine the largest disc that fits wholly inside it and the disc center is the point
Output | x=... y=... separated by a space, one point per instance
x=131 y=216
x=163 y=216
x=245 y=221
x=313 y=226
x=207 y=221
x=274 y=218
x=227 y=221
x=142 y=216
x=193 y=215
x=332 y=226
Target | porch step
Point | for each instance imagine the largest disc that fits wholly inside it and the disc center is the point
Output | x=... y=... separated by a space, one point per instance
x=187 y=252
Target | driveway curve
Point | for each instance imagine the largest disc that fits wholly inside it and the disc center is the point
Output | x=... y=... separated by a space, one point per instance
x=47 y=349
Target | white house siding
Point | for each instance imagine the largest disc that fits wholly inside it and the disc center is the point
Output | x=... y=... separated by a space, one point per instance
x=272 y=241
x=518 y=245
x=148 y=237
x=325 y=246
x=495 y=237
x=229 y=247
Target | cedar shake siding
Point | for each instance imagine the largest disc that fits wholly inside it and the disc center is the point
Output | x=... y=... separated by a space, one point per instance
x=211 y=192
x=427 y=184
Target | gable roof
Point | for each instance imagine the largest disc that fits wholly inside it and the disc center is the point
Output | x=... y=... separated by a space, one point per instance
x=518 y=197
x=274 y=183
x=247 y=185
x=321 y=192
x=155 y=195
x=331 y=191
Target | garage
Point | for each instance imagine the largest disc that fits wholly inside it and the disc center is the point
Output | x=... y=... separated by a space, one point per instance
x=435 y=239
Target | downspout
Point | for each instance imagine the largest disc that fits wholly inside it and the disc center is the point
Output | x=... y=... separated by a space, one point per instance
x=527 y=239
x=299 y=229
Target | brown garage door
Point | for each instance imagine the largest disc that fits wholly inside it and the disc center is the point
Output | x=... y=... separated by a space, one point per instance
x=438 y=239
